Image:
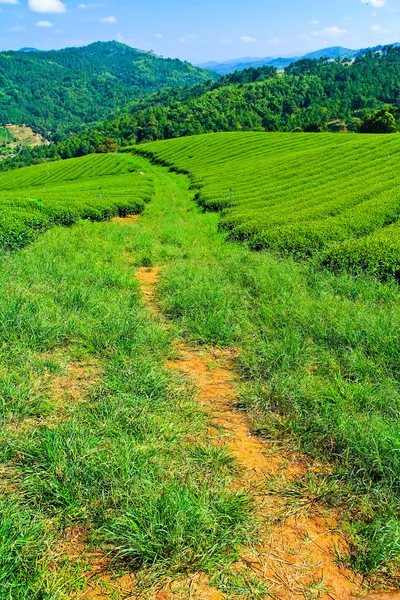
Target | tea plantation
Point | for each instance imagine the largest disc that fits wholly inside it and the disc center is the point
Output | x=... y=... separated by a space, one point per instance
x=96 y=187
x=335 y=196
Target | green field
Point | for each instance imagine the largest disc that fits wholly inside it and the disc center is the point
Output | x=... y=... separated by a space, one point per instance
x=300 y=195
x=95 y=187
x=131 y=465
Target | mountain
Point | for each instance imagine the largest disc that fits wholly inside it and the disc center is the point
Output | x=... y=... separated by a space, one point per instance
x=28 y=50
x=281 y=63
x=311 y=95
x=334 y=52
x=239 y=64
x=59 y=90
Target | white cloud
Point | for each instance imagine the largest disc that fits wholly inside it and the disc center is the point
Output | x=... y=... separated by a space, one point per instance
x=44 y=24
x=109 y=20
x=47 y=6
x=375 y=3
x=333 y=31
x=248 y=40
x=159 y=36
x=8 y=1
x=17 y=28
x=315 y=22
x=379 y=29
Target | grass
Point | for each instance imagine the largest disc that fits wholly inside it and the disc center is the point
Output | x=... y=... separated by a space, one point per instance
x=5 y=136
x=319 y=355
x=315 y=194
x=128 y=464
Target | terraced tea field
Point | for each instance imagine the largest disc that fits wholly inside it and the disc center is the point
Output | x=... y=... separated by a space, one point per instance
x=299 y=194
x=95 y=187
x=126 y=348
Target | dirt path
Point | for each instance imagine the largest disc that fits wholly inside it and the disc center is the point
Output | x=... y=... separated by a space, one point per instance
x=296 y=555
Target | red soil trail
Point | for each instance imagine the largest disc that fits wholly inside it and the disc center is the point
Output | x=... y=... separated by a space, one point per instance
x=294 y=555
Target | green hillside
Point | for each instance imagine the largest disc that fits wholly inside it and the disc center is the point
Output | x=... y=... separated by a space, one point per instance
x=299 y=194
x=94 y=187
x=104 y=442
x=312 y=95
x=56 y=91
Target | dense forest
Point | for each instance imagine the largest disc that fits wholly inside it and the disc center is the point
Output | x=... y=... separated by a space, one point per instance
x=55 y=91
x=312 y=95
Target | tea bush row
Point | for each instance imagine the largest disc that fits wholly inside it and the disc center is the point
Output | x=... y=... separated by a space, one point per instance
x=95 y=188
x=297 y=194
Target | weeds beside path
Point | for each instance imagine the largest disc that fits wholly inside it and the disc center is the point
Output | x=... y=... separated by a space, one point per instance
x=130 y=468
x=318 y=363
x=293 y=552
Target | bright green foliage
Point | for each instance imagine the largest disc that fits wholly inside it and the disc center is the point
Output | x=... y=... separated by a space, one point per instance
x=96 y=187
x=4 y=135
x=297 y=194
x=56 y=91
x=378 y=253
x=125 y=463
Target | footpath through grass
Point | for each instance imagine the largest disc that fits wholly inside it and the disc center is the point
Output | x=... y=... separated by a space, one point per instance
x=320 y=357
x=100 y=443
x=119 y=466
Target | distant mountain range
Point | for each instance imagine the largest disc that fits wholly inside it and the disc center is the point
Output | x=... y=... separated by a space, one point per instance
x=280 y=63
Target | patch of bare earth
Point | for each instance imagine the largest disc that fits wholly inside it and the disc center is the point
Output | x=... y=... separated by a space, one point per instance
x=129 y=220
x=74 y=383
x=294 y=553
x=63 y=391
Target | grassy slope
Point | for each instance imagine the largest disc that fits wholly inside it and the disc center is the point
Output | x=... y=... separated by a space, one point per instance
x=4 y=135
x=312 y=192
x=122 y=465
x=319 y=360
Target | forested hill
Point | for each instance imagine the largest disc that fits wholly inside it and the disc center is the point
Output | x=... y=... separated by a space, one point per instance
x=312 y=95
x=55 y=91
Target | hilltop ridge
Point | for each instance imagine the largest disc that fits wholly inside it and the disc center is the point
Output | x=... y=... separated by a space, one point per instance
x=239 y=64
x=55 y=91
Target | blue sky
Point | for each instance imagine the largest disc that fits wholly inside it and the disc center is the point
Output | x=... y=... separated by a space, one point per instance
x=201 y=30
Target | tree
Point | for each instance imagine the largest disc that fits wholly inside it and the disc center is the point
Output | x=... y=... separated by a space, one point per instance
x=381 y=121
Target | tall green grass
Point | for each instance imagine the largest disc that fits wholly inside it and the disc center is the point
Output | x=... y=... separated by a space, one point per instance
x=319 y=355
x=121 y=464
